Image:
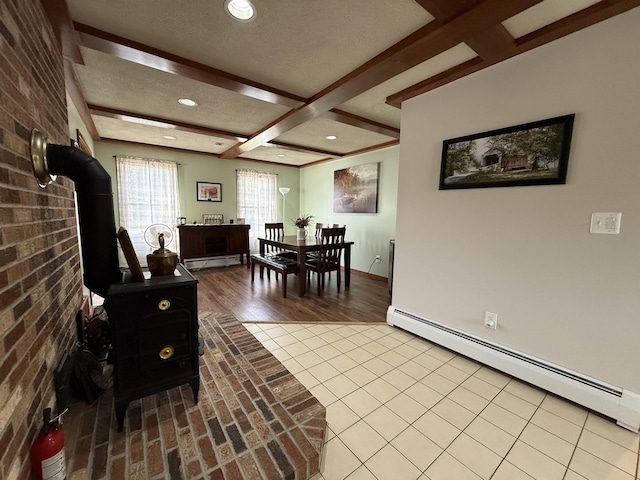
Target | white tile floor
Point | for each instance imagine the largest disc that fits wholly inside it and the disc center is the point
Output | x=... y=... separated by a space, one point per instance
x=400 y=407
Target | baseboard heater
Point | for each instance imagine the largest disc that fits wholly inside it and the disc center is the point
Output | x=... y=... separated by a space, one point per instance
x=617 y=403
x=207 y=262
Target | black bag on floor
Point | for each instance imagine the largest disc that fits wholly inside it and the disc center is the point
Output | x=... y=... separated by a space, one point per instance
x=87 y=379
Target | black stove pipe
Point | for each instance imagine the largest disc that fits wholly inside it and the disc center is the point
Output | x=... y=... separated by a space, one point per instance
x=95 y=207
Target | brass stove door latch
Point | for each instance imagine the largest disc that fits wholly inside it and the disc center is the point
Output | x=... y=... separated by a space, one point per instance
x=166 y=352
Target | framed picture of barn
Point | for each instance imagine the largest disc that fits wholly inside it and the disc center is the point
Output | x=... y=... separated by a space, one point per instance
x=533 y=153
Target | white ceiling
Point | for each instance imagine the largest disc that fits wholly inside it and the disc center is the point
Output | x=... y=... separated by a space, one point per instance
x=300 y=71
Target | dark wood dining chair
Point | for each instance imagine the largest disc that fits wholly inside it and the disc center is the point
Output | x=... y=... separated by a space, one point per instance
x=274 y=231
x=319 y=227
x=328 y=256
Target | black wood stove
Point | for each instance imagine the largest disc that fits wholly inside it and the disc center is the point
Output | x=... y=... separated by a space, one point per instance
x=154 y=322
x=154 y=330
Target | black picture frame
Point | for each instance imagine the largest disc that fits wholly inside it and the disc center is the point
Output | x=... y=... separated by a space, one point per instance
x=208 y=192
x=535 y=153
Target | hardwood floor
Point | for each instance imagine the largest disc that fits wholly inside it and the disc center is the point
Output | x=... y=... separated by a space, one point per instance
x=229 y=289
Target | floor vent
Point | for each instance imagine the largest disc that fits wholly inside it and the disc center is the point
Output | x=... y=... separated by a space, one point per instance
x=617 y=403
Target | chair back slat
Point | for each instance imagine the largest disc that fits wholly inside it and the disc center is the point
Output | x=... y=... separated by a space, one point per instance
x=332 y=244
x=272 y=232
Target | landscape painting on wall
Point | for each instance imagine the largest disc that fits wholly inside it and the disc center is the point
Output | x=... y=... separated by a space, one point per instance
x=534 y=153
x=355 y=189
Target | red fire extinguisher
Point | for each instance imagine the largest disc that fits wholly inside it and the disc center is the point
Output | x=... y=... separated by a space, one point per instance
x=47 y=452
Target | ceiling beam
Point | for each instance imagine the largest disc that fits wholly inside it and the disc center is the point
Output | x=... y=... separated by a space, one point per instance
x=184 y=150
x=60 y=18
x=489 y=43
x=191 y=128
x=163 y=123
x=315 y=151
x=147 y=56
x=585 y=18
x=151 y=57
x=361 y=122
x=373 y=147
x=427 y=42
x=354 y=152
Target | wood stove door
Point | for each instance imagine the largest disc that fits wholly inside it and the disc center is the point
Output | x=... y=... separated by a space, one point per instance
x=165 y=348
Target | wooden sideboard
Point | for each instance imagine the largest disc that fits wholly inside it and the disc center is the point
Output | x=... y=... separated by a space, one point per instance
x=201 y=241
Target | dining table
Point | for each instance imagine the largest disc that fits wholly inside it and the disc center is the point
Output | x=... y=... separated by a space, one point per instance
x=302 y=248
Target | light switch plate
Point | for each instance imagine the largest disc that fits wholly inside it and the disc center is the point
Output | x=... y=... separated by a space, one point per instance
x=608 y=222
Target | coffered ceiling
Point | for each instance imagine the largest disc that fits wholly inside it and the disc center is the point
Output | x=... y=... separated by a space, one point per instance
x=274 y=88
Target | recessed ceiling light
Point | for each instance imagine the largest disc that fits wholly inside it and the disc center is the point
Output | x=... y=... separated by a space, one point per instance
x=168 y=137
x=241 y=10
x=281 y=155
x=331 y=137
x=187 y=102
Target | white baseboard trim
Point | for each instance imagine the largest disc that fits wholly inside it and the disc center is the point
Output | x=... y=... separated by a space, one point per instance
x=207 y=262
x=617 y=403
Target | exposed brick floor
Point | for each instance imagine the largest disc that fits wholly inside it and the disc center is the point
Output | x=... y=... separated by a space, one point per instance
x=253 y=420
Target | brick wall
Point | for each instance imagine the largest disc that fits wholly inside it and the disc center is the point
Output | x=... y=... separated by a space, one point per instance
x=40 y=282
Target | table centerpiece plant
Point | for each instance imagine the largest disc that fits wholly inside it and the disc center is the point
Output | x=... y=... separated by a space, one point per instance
x=302 y=222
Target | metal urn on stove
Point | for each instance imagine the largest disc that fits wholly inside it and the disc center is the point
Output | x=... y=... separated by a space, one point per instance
x=162 y=261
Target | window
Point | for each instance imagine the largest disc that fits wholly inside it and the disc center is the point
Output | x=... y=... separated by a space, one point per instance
x=257 y=197
x=147 y=195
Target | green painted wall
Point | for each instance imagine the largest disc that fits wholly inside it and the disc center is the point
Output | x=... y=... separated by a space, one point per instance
x=370 y=232
x=311 y=192
x=203 y=168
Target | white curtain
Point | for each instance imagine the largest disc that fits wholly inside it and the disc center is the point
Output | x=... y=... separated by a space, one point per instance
x=257 y=200
x=147 y=195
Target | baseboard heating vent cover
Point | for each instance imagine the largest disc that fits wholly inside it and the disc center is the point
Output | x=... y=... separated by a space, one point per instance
x=617 y=403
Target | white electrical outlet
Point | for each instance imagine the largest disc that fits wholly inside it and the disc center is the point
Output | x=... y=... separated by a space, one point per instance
x=377 y=258
x=491 y=320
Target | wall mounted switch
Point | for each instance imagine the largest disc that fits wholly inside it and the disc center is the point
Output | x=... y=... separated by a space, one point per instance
x=606 y=222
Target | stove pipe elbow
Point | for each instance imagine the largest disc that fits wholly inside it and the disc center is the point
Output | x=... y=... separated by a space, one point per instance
x=95 y=207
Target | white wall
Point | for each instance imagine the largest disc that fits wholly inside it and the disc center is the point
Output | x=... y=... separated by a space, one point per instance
x=369 y=232
x=561 y=293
